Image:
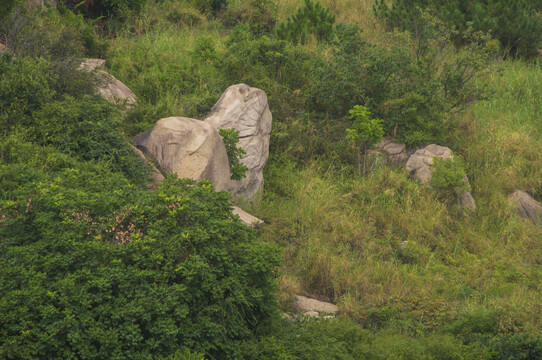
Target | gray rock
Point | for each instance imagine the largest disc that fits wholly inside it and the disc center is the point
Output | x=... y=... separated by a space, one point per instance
x=305 y=304
x=246 y=109
x=110 y=87
x=189 y=148
x=396 y=152
x=92 y=64
x=526 y=206
x=246 y=218
x=157 y=177
x=420 y=167
x=311 y=313
x=465 y=197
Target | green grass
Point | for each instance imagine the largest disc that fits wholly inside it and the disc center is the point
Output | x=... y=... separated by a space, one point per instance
x=342 y=234
x=408 y=271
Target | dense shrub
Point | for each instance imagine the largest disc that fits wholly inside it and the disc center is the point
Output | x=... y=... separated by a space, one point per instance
x=91 y=267
x=50 y=33
x=260 y=15
x=313 y=19
x=276 y=66
x=448 y=177
x=53 y=109
x=411 y=85
x=516 y=347
x=231 y=138
x=515 y=23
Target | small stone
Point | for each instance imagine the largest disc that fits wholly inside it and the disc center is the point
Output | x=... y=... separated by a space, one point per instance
x=312 y=313
x=247 y=219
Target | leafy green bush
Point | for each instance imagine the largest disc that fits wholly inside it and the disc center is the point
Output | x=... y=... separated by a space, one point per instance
x=260 y=15
x=515 y=23
x=276 y=66
x=6 y=6
x=410 y=85
x=54 y=34
x=516 y=347
x=109 y=8
x=42 y=105
x=448 y=176
x=231 y=138
x=313 y=19
x=365 y=132
x=91 y=267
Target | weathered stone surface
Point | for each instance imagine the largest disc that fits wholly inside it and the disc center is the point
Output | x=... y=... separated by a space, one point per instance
x=110 y=87
x=396 y=152
x=420 y=167
x=246 y=218
x=527 y=206
x=305 y=304
x=157 y=177
x=420 y=163
x=245 y=109
x=465 y=197
x=92 y=64
x=189 y=148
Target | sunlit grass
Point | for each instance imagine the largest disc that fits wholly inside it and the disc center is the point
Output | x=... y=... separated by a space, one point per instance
x=368 y=242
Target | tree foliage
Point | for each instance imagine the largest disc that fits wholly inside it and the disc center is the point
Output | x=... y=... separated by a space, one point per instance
x=365 y=132
x=517 y=24
x=231 y=138
x=91 y=267
x=313 y=19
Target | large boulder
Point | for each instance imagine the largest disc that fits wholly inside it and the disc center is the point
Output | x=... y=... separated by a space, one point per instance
x=420 y=167
x=245 y=109
x=527 y=206
x=189 y=148
x=157 y=177
x=110 y=88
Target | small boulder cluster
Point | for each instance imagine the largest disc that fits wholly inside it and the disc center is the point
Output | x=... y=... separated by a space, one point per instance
x=193 y=148
x=420 y=167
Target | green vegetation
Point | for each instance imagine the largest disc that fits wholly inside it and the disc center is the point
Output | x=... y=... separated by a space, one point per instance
x=93 y=264
x=231 y=138
x=313 y=19
x=365 y=132
x=448 y=177
x=517 y=24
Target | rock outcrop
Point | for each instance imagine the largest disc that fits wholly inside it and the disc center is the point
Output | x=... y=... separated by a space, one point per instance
x=157 y=177
x=246 y=218
x=394 y=152
x=189 y=148
x=245 y=109
x=314 y=308
x=420 y=167
x=527 y=206
x=110 y=88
